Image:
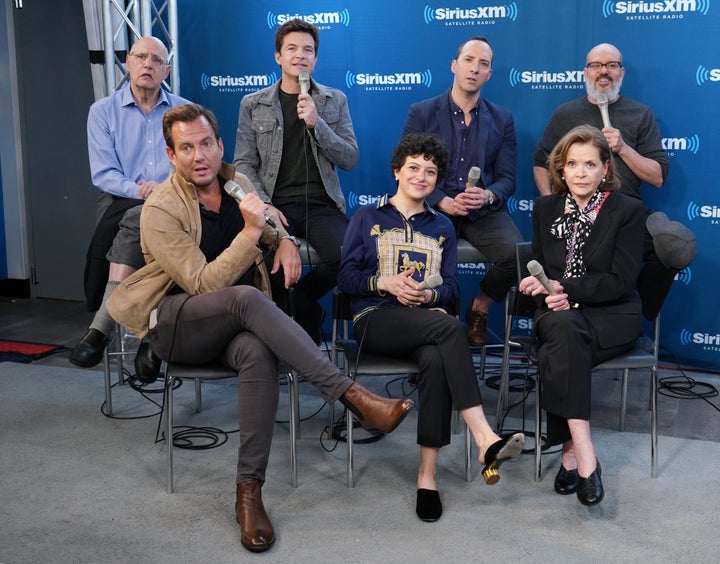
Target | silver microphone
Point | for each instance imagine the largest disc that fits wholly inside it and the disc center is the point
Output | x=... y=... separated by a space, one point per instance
x=602 y=103
x=236 y=191
x=432 y=281
x=304 y=80
x=474 y=175
x=536 y=270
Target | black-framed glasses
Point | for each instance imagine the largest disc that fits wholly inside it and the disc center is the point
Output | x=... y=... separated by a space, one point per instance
x=611 y=65
x=156 y=61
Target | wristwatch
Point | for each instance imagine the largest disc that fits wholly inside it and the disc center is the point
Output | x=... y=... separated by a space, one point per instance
x=491 y=199
x=295 y=240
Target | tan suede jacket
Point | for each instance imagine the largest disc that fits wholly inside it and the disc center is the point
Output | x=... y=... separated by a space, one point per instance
x=170 y=233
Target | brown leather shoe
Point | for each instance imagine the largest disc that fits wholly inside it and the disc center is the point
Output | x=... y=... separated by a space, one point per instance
x=374 y=412
x=476 y=327
x=256 y=531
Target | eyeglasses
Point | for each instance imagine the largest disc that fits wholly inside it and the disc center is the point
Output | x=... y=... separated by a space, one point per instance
x=611 y=66
x=156 y=61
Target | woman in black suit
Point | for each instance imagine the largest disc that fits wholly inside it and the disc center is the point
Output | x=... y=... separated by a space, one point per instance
x=589 y=238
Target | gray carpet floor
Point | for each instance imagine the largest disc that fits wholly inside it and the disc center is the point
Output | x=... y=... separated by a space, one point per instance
x=77 y=486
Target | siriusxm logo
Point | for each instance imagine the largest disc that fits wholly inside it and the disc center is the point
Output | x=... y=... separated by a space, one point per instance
x=395 y=81
x=706 y=340
x=356 y=200
x=684 y=276
x=516 y=205
x=544 y=80
x=230 y=83
x=694 y=211
x=473 y=268
x=702 y=75
x=672 y=144
x=522 y=324
x=320 y=19
x=667 y=9
x=459 y=16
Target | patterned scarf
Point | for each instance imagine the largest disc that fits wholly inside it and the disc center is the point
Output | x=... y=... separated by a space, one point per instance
x=574 y=226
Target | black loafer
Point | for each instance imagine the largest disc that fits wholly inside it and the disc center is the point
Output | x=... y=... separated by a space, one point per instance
x=89 y=351
x=428 y=506
x=590 y=490
x=566 y=481
x=147 y=365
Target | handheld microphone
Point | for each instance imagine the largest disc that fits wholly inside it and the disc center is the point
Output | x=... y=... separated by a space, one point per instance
x=602 y=103
x=304 y=80
x=536 y=270
x=474 y=175
x=432 y=281
x=236 y=191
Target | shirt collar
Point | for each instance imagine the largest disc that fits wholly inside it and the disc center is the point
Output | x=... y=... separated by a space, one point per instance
x=384 y=201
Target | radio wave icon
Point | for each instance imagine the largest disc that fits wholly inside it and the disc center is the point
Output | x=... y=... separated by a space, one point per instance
x=702 y=75
x=428 y=14
x=426 y=78
x=693 y=211
x=685 y=337
x=703 y=6
x=350 y=80
x=204 y=81
x=512 y=204
x=272 y=20
x=693 y=144
x=512 y=11
x=608 y=8
x=345 y=17
x=685 y=276
x=514 y=76
x=353 y=200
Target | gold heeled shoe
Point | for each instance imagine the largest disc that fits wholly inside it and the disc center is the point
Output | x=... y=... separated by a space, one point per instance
x=506 y=448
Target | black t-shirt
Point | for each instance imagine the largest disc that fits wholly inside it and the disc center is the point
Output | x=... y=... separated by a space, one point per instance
x=298 y=174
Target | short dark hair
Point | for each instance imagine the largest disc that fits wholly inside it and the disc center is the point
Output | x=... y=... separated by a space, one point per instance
x=585 y=135
x=187 y=113
x=431 y=147
x=296 y=25
x=476 y=38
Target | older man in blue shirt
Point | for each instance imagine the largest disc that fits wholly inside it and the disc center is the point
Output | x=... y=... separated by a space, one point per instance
x=126 y=147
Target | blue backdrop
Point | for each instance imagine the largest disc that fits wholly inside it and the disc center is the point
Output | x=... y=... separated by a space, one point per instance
x=387 y=55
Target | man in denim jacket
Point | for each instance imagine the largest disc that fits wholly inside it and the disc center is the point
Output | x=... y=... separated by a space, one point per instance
x=289 y=142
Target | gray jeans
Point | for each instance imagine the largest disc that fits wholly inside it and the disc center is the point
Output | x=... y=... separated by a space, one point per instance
x=243 y=329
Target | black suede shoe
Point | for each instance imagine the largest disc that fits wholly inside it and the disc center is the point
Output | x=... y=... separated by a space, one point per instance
x=147 y=365
x=590 y=490
x=428 y=506
x=89 y=351
x=566 y=481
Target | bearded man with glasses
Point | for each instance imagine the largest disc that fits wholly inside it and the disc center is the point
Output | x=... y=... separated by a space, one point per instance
x=634 y=137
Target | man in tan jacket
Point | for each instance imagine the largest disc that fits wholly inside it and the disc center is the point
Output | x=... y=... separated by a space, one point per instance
x=202 y=297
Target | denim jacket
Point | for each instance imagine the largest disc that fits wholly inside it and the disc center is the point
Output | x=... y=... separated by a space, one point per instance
x=259 y=140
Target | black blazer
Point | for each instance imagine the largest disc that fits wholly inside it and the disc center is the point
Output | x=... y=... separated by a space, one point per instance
x=613 y=256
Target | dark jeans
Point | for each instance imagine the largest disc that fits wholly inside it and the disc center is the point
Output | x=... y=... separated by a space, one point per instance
x=241 y=328
x=323 y=225
x=495 y=236
x=438 y=343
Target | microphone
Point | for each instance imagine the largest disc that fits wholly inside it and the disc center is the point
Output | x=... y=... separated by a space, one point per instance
x=432 y=281
x=304 y=80
x=474 y=175
x=536 y=270
x=602 y=103
x=236 y=191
